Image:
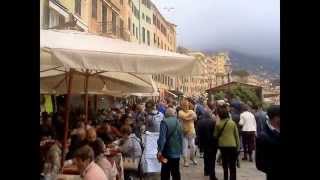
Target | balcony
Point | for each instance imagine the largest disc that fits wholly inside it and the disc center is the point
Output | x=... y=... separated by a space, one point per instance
x=112 y=30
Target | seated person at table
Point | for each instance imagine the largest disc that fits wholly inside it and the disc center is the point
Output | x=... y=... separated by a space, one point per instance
x=102 y=161
x=89 y=170
x=117 y=119
x=77 y=140
x=52 y=157
x=92 y=139
x=107 y=133
x=130 y=143
x=46 y=129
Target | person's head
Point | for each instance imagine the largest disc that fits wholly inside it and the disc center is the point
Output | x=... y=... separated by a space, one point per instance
x=150 y=106
x=92 y=135
x=83 y=157
x=80 y=124
x=125 y=130
x=170 y=112
x=244 y=107
x=274 y=116
x=185 y=105
x=139 y=108
x=82 y=134
x=223 y=112
x=48 y=121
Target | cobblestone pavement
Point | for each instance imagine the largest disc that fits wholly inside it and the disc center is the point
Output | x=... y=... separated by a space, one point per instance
x=247 y=171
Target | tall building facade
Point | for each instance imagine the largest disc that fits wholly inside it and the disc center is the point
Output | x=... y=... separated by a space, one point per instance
x=137 y=21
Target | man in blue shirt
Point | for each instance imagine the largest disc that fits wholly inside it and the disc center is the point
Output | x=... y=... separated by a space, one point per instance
x=170 y=146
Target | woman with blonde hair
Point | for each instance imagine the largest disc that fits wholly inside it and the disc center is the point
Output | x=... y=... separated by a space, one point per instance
x=187 y=118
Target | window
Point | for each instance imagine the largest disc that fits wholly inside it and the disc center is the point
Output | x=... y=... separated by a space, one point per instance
x=154 y=20
x=104 y=19
x=133 y=29
x=143 y=15
x=94 y=9
x=121 y=2
x=114 y=23
x=129 y=24
x=143 y=35
x=78 y=7
x=148 y=19
x=121 y=28
x=158 y=42
x=137 y=32
x=148 y=37
x=154 y=39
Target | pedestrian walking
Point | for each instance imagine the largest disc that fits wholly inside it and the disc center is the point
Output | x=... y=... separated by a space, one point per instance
x=249 y=128
x=153 y=117
x=261 y=118
x=226 y=133
x=188 y=117
x=268 y=145
x=205 y=132
x=170 y=146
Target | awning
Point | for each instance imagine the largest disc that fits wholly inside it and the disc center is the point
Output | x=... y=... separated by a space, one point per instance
x=67 y=49
x=111 y=83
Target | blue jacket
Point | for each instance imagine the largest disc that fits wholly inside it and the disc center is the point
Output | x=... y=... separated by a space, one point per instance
x=170 y=147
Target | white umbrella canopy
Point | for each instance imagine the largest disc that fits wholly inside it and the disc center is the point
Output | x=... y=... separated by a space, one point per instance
x=81 y=50
x=110 y=83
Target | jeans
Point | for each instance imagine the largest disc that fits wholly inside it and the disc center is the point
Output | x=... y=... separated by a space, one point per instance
x=209 y=158
x=188 y=141
x=171 y=167
x=229 y=158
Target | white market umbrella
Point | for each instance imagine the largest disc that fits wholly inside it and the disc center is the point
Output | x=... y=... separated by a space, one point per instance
x=73 y=52
x=80 y=50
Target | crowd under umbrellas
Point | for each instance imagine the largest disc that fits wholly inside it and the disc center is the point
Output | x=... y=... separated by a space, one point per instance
x=89 y=146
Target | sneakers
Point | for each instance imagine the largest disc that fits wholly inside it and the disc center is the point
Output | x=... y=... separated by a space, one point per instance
x=186 y=164
x=194 y=162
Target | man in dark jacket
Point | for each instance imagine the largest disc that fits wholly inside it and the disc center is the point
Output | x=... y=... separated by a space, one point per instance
x=268 y=145
x=206 y=141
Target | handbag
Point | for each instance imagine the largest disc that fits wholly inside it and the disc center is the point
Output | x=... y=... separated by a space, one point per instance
x=216 y=139
x=133 y=163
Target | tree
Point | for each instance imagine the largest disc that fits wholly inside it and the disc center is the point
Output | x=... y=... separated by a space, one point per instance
x=245 y=94
x=219 y=96
x=240 y=73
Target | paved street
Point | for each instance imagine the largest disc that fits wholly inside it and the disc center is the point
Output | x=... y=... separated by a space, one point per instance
x=247 y=171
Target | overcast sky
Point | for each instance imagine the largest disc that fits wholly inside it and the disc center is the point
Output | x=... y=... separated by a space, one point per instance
x=250 y=26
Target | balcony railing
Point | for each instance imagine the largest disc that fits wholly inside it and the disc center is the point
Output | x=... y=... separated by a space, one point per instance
x=114 y=31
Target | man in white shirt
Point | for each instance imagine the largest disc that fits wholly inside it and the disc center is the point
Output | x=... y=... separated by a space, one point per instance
x=249 y=128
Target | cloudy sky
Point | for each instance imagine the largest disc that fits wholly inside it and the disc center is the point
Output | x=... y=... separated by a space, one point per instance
x=249 y=26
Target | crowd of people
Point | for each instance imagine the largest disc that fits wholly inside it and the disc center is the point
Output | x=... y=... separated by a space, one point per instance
x=216 y=128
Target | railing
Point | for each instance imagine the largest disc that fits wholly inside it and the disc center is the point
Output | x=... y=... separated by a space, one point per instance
x=110 y=30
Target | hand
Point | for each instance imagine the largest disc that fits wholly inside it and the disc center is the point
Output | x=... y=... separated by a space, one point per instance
x=159 y=155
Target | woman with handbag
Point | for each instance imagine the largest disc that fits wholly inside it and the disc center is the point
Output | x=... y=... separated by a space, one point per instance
x=227 y=137
x=131 y=150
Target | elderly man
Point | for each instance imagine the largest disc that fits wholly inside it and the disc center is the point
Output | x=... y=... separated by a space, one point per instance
x=84 y=159
x=188 y=118
x=170 y=146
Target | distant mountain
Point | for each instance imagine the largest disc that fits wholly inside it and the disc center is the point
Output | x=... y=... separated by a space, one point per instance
x=258 y=65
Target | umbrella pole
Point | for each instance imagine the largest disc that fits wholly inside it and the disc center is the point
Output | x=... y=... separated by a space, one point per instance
x=86 y=98
x=66 y=117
